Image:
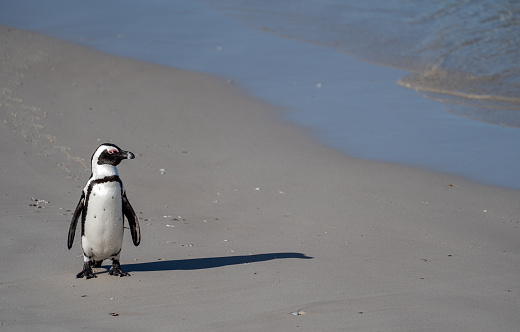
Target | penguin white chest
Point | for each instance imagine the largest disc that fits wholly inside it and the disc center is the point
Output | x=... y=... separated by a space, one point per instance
x=103 y=234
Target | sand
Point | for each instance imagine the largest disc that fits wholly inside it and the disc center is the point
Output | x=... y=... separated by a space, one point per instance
x=247 y=223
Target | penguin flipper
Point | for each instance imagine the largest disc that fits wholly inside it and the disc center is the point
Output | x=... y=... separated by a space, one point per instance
x=133 y=221
x=74 y=221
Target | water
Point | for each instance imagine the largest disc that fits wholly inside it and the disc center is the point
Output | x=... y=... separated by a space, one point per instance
x=464 y=53
x=294 y=54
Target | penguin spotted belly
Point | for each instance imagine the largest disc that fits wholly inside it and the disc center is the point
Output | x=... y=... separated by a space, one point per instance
x=103 y=235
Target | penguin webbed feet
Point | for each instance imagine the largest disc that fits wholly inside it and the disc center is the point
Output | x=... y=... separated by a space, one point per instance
x=116 y=270
x=87 y=271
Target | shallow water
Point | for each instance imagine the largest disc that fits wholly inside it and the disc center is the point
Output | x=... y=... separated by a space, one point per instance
x=349 y=104
x=464 y=53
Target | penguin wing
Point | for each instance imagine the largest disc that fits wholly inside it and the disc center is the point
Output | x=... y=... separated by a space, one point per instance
x=133 y=221
x=74 y=221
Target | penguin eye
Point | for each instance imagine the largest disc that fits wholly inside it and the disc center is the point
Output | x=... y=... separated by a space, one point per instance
x=112 y=151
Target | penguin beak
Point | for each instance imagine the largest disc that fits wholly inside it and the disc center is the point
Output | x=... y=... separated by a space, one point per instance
x=127 y=155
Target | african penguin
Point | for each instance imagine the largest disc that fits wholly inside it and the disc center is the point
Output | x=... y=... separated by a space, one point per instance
x=102 y=205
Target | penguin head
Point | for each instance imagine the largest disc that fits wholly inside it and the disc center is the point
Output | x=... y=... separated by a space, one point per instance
x=111 y=154
x=108 y=155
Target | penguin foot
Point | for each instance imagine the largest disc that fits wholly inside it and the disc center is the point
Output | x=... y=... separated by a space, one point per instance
x=116 y=270
x=87 y=272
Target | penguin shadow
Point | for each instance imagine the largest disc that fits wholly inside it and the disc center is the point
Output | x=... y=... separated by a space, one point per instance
x=209 y=262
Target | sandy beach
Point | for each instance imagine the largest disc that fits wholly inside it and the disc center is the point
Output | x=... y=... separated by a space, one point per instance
x=247 y=224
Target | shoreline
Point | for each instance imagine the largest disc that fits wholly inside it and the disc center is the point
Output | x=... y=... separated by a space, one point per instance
x=251 y=222
x=345 y=103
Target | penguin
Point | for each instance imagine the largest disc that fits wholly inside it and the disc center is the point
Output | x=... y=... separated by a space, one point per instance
x=103 y=206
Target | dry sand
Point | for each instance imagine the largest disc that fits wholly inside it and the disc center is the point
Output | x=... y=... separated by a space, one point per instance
x=252 y=226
